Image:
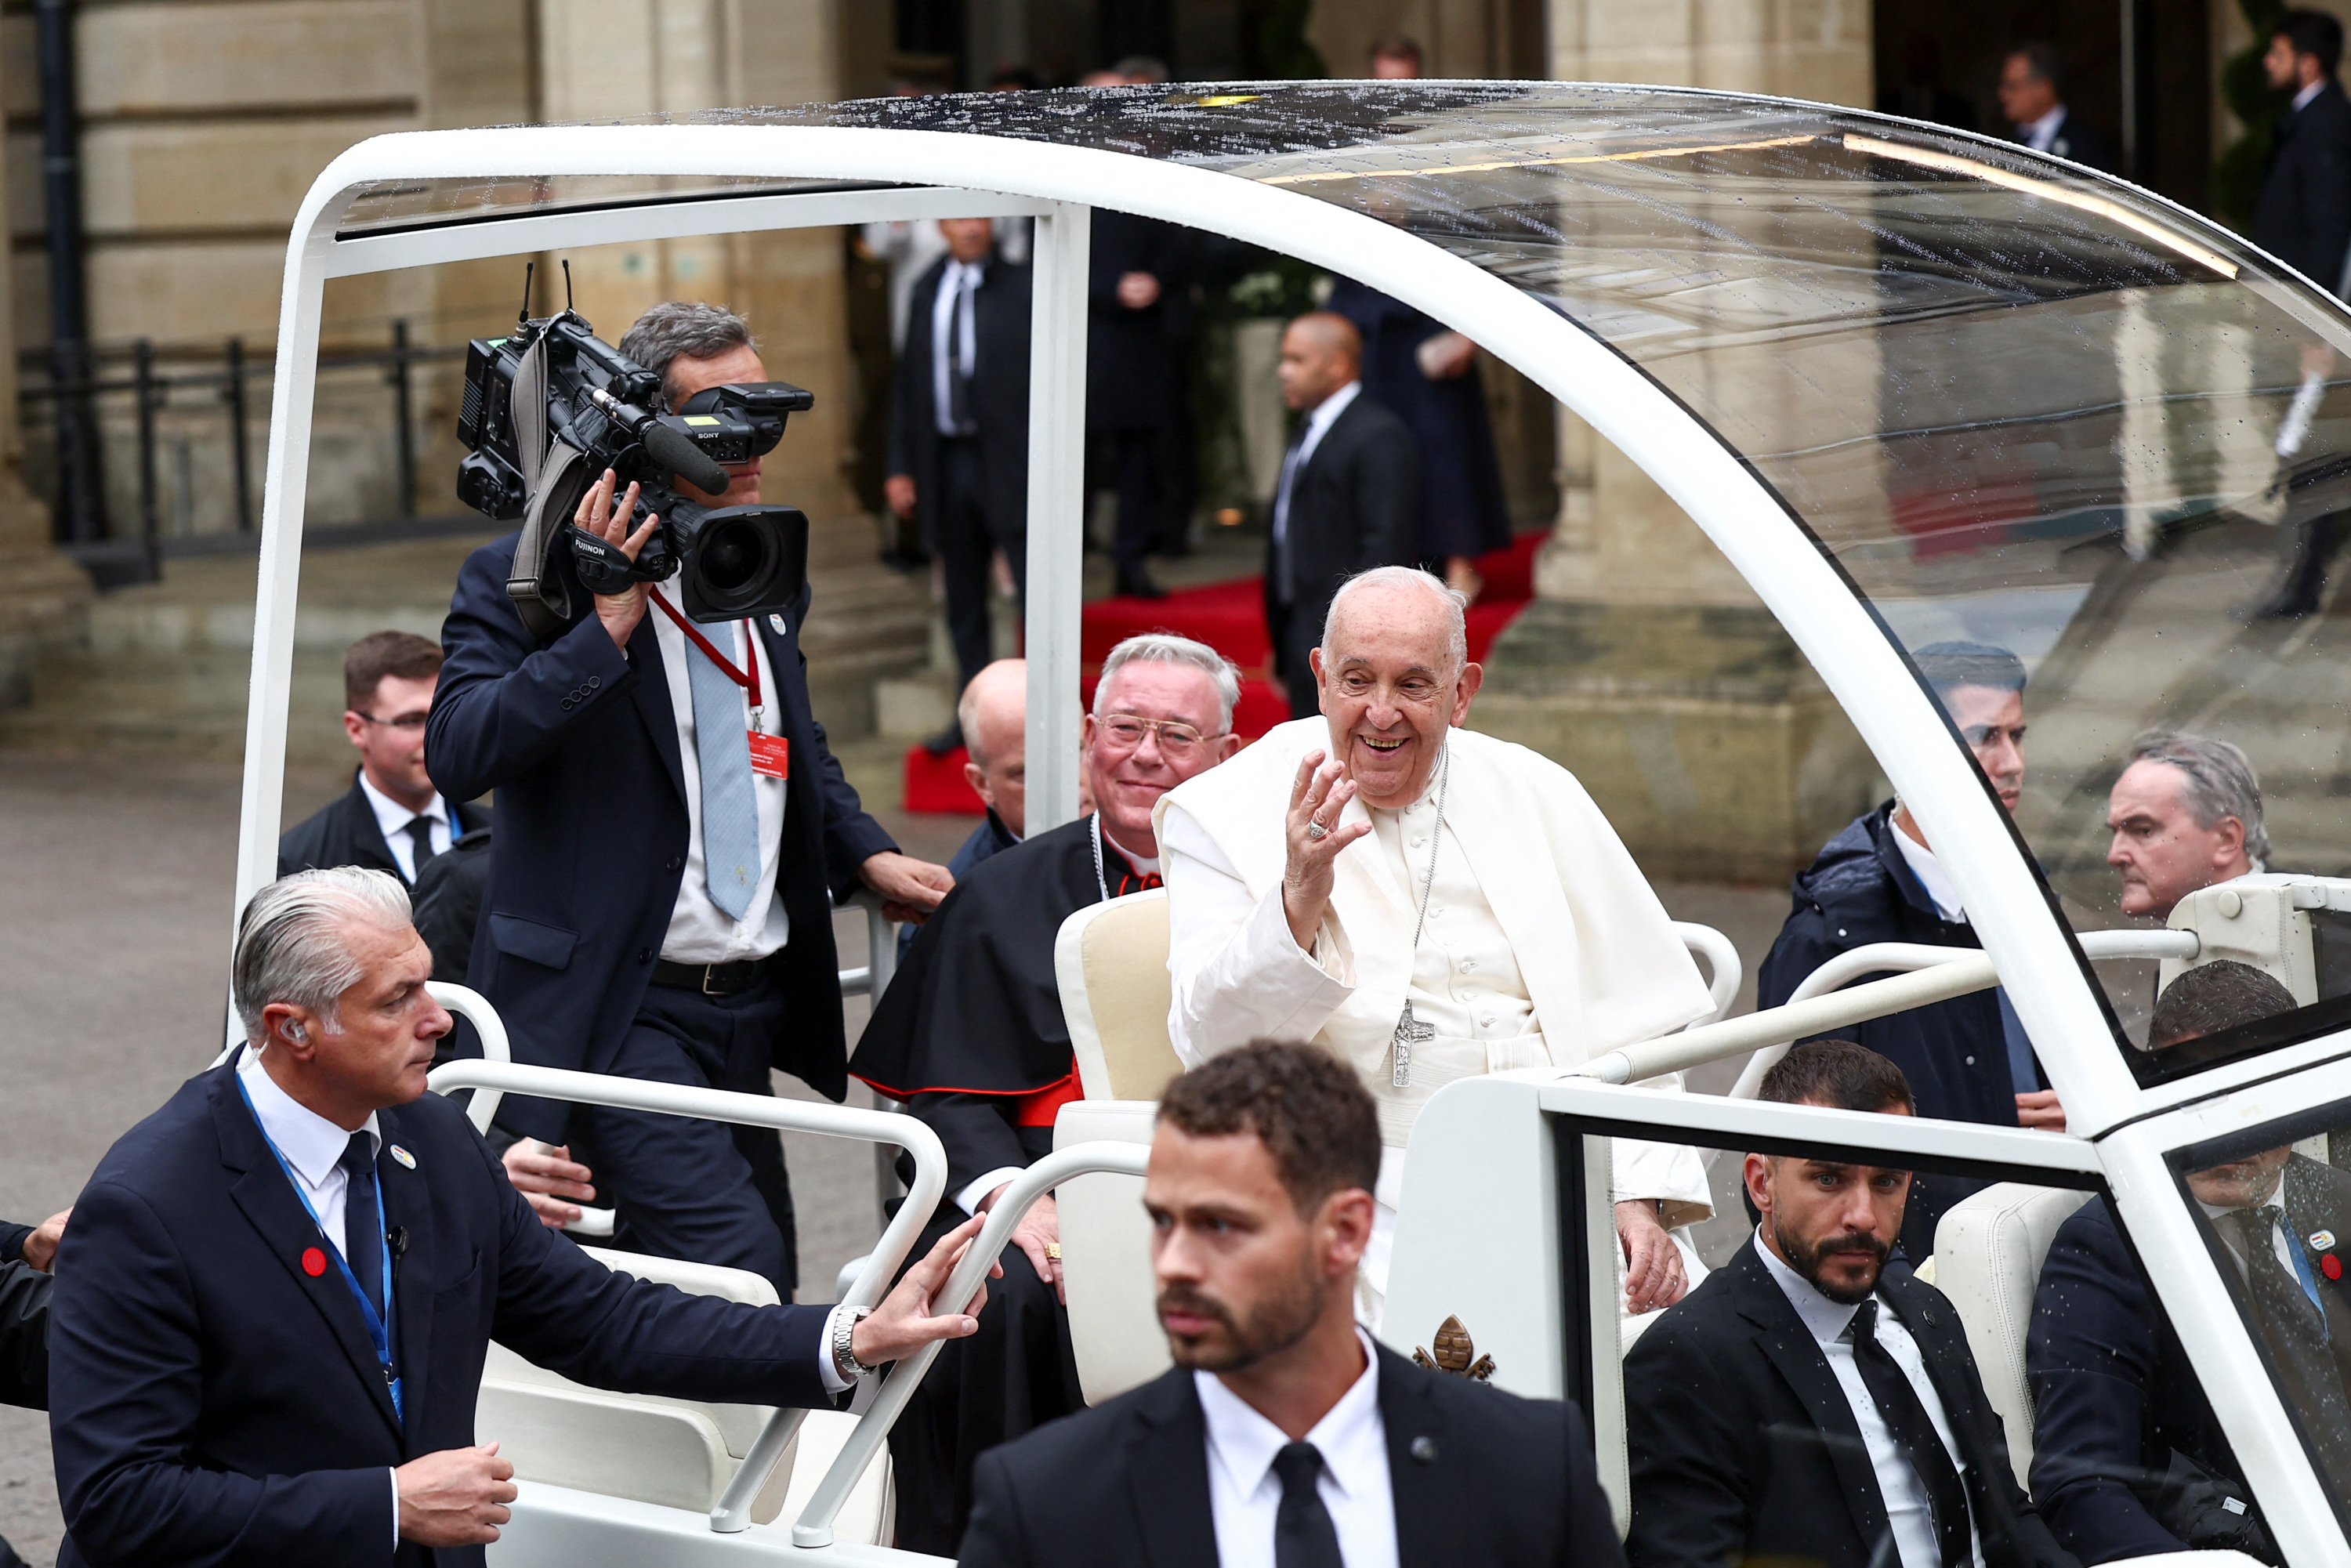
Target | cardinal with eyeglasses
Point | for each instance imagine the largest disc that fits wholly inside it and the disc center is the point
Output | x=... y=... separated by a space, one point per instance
x=1428 y=904
x=971 y=1036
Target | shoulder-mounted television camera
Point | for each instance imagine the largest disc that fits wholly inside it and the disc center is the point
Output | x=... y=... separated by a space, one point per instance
x=549 y=408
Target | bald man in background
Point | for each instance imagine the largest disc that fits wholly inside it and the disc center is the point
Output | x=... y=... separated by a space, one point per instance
x=993 y=717
x=1349 y=498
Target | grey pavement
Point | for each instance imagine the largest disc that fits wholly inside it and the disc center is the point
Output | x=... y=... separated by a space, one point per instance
x=116 y=880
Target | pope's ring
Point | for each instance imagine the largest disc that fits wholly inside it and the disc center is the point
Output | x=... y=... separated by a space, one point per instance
x=1315 y=829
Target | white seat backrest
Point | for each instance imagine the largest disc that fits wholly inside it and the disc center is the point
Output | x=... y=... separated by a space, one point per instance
x=1988 y=1254
x=1106 y=1255
x=1111 y=960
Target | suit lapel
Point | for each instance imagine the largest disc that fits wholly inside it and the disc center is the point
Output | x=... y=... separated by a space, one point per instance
x=1427 y=1498
x=1791 y=1349
x=407 y=1213
x=652 y=694
x=1167 y=1475
x=266 y=1194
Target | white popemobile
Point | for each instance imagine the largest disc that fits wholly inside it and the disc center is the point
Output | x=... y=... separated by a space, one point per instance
x=1913 y=385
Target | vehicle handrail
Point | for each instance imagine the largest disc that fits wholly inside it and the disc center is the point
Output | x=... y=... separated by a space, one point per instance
x=733 y=1511
x=475 y=1009
x=1724 y=970
x=1931 y=974
x=814 y=1526
x=881 y=965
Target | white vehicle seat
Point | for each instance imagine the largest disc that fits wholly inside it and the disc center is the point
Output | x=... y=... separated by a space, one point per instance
x=1106 y=1255
x=1988 y=1254
x=674 y=1453
x=1111 y=960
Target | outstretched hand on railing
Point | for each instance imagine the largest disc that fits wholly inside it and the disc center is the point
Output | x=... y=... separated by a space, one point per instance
x=904 y=1322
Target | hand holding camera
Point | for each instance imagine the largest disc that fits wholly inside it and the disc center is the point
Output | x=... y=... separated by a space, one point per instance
x=599 y=517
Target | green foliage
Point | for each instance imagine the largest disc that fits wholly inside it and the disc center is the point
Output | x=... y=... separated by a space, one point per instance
x=2245 y=89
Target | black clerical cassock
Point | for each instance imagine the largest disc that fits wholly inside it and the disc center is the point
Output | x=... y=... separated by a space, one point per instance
x=971 y=1036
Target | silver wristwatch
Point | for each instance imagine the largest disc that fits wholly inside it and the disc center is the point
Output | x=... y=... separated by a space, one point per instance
x=844 y=1353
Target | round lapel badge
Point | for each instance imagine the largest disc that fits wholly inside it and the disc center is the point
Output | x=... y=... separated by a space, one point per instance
x=403 y=1157
x=777 y=622
x=314 y=1261
x=2320 y=1240
x=2331 y=1266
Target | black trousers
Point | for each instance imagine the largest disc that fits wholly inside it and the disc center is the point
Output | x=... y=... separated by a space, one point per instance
x=1135 y=463
x=1295 y=631
x=705 y=1192
x=964 y=540
x=1016 y=1374
x=2310 y=545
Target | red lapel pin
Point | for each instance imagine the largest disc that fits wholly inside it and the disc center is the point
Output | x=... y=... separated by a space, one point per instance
x=314 y=1262
x=2331 y=1266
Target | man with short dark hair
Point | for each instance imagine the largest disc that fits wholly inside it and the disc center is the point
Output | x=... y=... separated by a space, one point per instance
x=668 y=853
x=1968 y=1059
x=276 y=1294
x=2032 y=94
x=972 y=1037
x=1808 y=1403
x=391 y=819
x=1284 y=1435
x=2185 y=814
x=2128 y=1459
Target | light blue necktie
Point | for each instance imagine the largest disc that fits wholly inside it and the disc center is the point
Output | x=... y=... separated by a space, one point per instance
x=730 y=814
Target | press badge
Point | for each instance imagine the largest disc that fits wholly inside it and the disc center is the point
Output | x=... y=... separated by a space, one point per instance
x=771 y=755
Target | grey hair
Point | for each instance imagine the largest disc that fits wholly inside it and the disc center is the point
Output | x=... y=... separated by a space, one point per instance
x=289 y=941
x=1166 y=648
x=2216 y=781
x=683 y=328
x=1456 y=606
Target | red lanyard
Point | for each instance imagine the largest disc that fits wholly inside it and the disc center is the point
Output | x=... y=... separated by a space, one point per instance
x=750 y=683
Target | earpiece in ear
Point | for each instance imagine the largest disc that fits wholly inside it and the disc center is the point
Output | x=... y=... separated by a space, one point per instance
x=294 y=1031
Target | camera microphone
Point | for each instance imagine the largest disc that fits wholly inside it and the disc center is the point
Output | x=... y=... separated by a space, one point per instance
x=682 y=457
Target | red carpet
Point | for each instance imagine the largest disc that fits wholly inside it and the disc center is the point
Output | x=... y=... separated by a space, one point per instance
x=1231 y=618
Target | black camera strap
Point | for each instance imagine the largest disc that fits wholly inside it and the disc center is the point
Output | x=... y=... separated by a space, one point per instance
x=554 y=472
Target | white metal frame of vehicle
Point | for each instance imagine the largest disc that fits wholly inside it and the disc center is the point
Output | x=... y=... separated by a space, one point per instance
x=732 y=1515
x=959 y=173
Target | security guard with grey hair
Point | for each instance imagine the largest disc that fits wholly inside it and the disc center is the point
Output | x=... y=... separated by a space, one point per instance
x=275 y=1292
x=671 y=834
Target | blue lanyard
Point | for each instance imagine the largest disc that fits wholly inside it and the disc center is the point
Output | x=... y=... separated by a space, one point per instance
x=2302 y=1271
x=379 y=1327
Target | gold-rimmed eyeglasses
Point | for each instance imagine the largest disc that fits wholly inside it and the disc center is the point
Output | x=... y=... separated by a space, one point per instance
x=1124 y=732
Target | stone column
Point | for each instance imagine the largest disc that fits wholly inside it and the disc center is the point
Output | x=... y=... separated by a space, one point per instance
x=1645 y=663
x=45 y=595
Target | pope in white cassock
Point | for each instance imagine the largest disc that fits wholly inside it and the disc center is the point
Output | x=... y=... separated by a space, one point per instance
x=1428 y=904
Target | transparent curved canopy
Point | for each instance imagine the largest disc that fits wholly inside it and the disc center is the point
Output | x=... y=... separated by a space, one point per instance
x=2016 y=402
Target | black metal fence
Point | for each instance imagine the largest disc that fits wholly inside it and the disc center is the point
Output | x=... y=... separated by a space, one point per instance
x=118 y=555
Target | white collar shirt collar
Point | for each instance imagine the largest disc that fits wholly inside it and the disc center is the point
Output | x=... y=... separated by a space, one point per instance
x=1940 y=889
x=2232 y=1235
x=391 y=819
x=2039 y=134
x=1145 y=865
x=312 y=1144
x=1245 y=1494
x=1907 y=1511
x=2307 y=94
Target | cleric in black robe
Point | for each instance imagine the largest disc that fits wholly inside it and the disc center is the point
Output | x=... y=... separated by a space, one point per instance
x=971 y=1036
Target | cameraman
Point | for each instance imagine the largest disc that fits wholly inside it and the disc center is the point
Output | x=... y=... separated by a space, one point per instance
x=660 y=904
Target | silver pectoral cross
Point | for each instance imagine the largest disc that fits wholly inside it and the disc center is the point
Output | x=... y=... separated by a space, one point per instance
x=1409 y=1031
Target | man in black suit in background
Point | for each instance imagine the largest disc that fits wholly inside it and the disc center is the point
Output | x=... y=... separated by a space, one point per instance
x=2032 y=94
x=2128 y=1459
x=276 y=1294
x=1807 y=1404
x=1283 y=1433
x=2304 y=220
x=391 y=819
x=1349 y=498
x=959 y=431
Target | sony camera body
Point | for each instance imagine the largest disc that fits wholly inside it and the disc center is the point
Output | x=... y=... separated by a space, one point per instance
x=547 y=409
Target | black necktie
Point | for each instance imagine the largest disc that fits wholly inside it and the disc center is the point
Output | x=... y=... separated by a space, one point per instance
x=1303 y=1535
x=362 y=1221
x=420 y=833
x=1285 y=588
x=1914 y=1433
x=959 y=340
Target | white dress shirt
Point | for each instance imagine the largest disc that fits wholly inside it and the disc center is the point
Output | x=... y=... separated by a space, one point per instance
x=699 y=931
x=2307 y=93
x=1907 y=1511
x=1319 y=421
x=393 y=817
x=1245 y=1494
x=2224 y=1225
x=2039 y=134
x=955 y=335
x=1941 y=890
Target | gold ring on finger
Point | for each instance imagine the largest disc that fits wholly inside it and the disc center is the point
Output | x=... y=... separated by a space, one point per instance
x=1053 y=1252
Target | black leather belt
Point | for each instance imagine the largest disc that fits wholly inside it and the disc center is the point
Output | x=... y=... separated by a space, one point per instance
x=710 y=979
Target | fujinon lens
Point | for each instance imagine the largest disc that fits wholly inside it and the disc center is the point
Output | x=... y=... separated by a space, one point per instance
x=734 y=554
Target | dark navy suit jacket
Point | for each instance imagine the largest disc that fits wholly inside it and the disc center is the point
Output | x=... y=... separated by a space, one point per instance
x=344 y=831
x=580 y=743
x=213 y=1404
